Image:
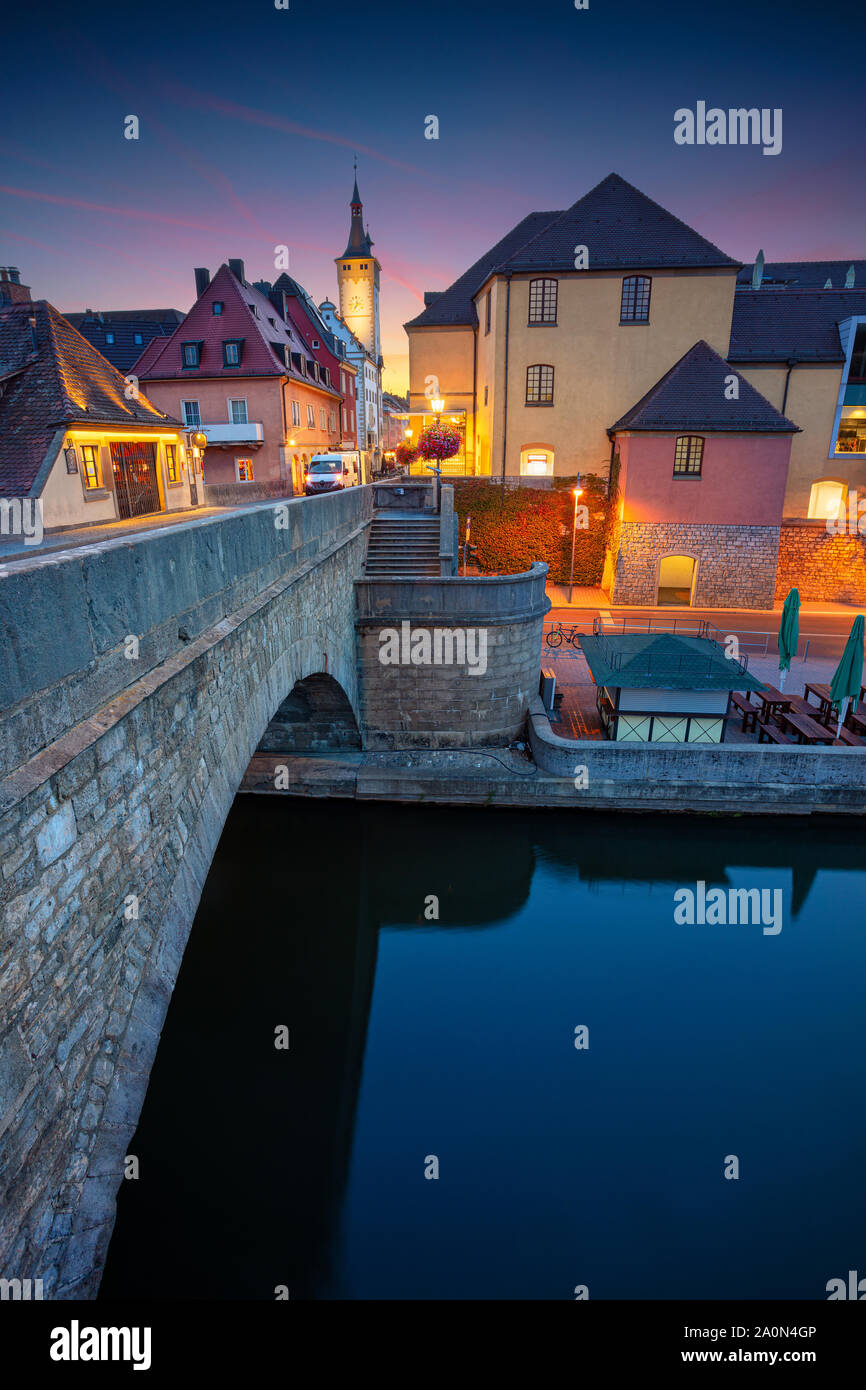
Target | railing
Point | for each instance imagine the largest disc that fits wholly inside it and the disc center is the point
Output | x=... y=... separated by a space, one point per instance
x=701 y=627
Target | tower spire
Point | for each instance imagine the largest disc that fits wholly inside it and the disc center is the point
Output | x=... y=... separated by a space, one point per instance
x=359 y=240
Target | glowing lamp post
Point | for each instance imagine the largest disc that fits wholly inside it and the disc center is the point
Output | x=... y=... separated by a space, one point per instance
x=578 y=493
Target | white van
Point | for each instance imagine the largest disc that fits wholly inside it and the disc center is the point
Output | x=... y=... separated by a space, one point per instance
x=330 y=472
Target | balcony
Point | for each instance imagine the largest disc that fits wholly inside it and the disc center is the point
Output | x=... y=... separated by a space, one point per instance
x=250 y=435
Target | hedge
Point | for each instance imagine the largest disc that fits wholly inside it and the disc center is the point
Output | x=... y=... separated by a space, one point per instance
x=534 y=524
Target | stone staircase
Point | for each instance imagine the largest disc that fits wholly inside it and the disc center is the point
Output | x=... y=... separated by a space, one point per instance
x=403 y=545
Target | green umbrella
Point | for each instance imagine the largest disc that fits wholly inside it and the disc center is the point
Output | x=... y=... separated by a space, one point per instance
x=848 y=676
x=789 y=634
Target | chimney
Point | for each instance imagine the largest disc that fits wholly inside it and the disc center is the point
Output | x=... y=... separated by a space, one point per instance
x=11 y=289
x=237 y=270
x=202 y=280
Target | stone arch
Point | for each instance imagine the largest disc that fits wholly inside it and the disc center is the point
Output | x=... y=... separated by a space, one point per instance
x=316 y=716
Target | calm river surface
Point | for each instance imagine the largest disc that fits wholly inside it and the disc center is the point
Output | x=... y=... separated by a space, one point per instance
x=455 y=1038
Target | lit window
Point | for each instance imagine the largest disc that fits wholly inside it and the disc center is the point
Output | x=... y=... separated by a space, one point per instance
x=238 y=412
x=217 y=306
x=688 y=456
x=90 y=466
x=245 y=470
x=542 y=301
x=851 y=438
x=635 y=299
x=171 y=463
x=191 y=414
x=109 y=338
x=191 y=354
x=137 y=339
x=536 y=463
x=296 y=413
x=539 y=385
x=826 y=500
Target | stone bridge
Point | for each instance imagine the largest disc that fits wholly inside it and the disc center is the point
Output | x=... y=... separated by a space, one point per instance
x=137 y=678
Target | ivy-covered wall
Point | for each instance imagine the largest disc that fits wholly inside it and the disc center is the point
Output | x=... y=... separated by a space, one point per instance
x=535 y=524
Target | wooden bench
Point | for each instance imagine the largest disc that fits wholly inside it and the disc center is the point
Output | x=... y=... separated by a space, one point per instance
x=769 y=731
x=746 y=709
x=846 y=737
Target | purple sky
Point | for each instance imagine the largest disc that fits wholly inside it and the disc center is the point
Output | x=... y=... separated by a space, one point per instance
x=250 y=118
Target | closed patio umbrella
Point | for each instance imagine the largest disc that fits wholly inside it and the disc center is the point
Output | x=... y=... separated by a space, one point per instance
x=789 y=634
x=848 y=676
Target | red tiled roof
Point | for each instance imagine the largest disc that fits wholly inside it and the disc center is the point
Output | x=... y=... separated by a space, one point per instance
x=246 y=315
x=62 y=381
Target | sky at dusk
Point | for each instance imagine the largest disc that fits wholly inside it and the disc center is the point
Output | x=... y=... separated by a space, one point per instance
x=251 y=116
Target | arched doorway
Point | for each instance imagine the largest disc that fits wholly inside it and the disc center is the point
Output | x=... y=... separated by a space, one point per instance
x=676 y=581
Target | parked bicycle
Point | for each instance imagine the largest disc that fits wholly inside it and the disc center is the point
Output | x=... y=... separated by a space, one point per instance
x=563 y=632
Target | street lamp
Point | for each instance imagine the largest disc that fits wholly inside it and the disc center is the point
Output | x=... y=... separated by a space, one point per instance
x=437 y=405
x=578 y=493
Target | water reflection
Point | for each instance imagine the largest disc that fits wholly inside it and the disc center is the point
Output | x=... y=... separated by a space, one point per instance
x=452 y=1037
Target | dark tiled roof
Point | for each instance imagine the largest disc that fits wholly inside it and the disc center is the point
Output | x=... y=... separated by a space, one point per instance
x=124 y=324
x=777 y=325
x=691 y=396
x=806 y=275
x=65 y=381
x=621 y=228
x=666 y=661
x=248 y=315
x=454 y=305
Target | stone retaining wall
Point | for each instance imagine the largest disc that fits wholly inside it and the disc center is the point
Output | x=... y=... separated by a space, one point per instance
x=427 y=705
x=736 y=565
x=820 y=565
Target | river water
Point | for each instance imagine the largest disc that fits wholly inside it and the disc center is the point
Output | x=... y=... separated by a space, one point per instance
x=707 y=1048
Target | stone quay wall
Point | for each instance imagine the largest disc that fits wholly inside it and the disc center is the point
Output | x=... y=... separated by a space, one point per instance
x=820 y=565
x=109 y=824
x=736 y=565
x=424 y=704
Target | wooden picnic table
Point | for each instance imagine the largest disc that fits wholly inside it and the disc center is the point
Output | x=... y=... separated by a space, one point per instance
x=822 y=695
x=807 y=730
x=773 y=702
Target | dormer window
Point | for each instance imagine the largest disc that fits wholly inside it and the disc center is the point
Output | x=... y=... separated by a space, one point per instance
x=232 y=349
x=109 y=338
x=217 y=307
x=316 y=343
x=253 y=310
x=191 y=354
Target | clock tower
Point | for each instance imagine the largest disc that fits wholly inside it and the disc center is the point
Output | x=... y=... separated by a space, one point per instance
x=358 y=281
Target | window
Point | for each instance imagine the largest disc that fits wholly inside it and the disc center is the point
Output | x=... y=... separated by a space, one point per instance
x=171 y=463
x=635 y=299
x=296 y=413
x=827 y=500
x=315 y=343
x=90 y=465
x=536 y=462
x=851 y=438
x=137 y=339
x=244 y=470
x=191 y=414
x=217 y=307
x=542 y=301
x=232 y=352
x=485 y=394
x=191 y=354
x=333 y=419
x=238 y=412
x=311 y=418
x=857 y=369
x=539 y=385
x=688 y=457
x=487 y=312
x=109 y=338
x=323 y=418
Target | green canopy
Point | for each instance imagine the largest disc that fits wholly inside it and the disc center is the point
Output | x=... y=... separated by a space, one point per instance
x=789 y=633
x=848 y=676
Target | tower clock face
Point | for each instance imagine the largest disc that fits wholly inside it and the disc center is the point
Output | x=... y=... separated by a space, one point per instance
x=356 y=304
